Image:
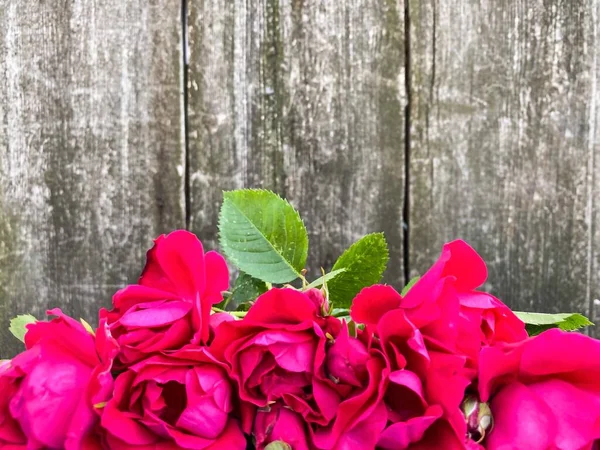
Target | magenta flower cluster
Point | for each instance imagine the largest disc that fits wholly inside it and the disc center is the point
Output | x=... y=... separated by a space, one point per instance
x=443 y=367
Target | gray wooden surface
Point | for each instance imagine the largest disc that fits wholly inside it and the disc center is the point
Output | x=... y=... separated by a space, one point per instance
x=504 y=145
x=102 y=148
x=308 y=102
x=90 y=149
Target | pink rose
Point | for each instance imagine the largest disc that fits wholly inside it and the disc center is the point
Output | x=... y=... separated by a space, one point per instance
x=11 y=435
x=170 y=307
x=286 y=352
x=49 y=391
x=446 y=307
x=348 y=391
x=341 y=408
x=446 y=322
x=180 y=400
x=544 y=392
x=426 y=385
x=276 y=349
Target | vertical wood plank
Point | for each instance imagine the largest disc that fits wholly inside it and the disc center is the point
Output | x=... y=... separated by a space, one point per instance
x=307 y=100
x=504 y=144
x=91 y=154
x=593 y=165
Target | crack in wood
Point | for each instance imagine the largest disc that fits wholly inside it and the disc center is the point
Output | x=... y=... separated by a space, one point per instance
x=407 y=143
x=185 y=124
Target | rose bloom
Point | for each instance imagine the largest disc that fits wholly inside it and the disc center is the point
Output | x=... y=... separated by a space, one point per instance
x=443 y=321
x=274 y=351
x=335 y=389
x=296 y=365
x=446 y=307
x=426 y=384
x=544 y=392
x=344 y=407
x=183 y=399
x=49 y=391
x=170 y=306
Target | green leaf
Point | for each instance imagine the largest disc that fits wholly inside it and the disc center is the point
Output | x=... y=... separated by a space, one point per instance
x=352 y=330
x=534 y=330
x=244 y=307
x=325 y=278
x=536 y=323
x=87 y=327
x=278 y=445
x=340 y=312
x=263 y=235
x=410 y=284
x=365 y=261
x=246 y=289
x=18 y=326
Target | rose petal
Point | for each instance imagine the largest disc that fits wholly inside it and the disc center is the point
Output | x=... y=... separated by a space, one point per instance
x=157 y=315
x=181 y=258
x=282 y=307
x=373 y=302
x=402 y=434
x=217 y=276
x=577 y=412
x=465 y=265
x=522 y=421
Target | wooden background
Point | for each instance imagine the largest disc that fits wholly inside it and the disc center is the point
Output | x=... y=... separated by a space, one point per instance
x=429 y=120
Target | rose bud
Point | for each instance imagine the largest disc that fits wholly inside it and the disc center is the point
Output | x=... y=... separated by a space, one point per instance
x=316 y=296
x=347 y=360
x=478 y=417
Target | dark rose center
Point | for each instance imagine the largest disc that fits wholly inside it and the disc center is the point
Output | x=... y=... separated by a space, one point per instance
x=175 y=398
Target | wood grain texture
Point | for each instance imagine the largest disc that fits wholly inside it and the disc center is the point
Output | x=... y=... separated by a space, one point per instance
x=592 y=30
x=91 y=154
x=306 y=99
x=504 y=144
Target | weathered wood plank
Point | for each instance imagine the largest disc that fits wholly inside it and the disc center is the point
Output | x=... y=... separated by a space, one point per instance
x=593 y=164
x=91 y=155
x=307 y=100
x=504 y=144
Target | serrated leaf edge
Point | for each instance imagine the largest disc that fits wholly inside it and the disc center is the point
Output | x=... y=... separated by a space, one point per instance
x=386 y=253
x=384 y=260
x=12 y=326
x=526 y=317
x=234 y=260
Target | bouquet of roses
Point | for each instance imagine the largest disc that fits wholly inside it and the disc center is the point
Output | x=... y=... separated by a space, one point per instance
x=182 y=361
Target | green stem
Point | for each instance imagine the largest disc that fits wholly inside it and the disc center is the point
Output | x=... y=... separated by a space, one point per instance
x=233 y=313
